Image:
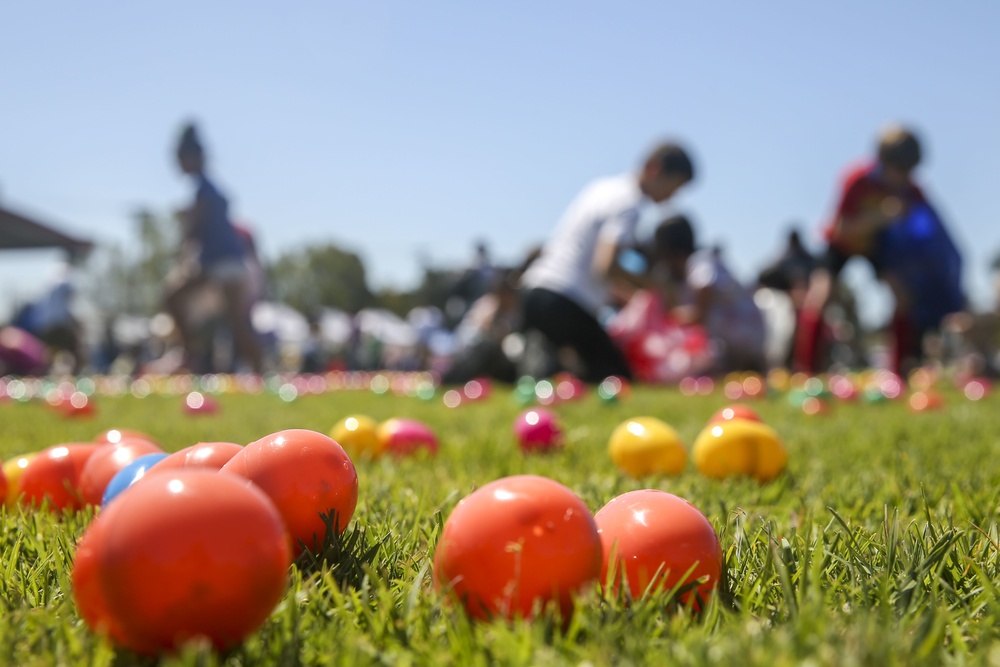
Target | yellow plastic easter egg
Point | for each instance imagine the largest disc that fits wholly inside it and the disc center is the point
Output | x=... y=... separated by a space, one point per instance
x=739 y=447
x=13 y=468
x=718 y=455
x=358 y=435
x=645 y=446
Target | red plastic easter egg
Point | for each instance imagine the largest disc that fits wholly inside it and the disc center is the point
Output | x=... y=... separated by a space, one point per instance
x=735 y=411
x=516 y=543
x=55 y=475
x=115 y=435
x=922 y=401
x=568 y=387
x=207 y=455
x=105 y=464
x=197 y=403
x=192 y=554
x=75 y=405
x=305 y=474
x=477 y=389
x=660 y=542
x=88 y=591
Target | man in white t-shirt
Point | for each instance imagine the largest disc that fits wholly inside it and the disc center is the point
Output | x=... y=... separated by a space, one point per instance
x=568 y=283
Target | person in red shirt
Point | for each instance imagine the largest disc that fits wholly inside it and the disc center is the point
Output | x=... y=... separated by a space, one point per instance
x=873 y=196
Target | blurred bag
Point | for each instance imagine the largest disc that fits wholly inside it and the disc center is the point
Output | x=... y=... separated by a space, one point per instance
x=657 y=348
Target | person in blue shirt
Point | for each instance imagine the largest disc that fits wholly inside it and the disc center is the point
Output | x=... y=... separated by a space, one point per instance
x=212 y=253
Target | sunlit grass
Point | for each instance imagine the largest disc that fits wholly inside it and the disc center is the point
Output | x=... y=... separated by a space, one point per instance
x=880 y=545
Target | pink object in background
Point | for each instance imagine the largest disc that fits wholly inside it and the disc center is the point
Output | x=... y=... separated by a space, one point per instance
x=21 y=352
x=197 y=403
x=403 y=437
x=537 y=430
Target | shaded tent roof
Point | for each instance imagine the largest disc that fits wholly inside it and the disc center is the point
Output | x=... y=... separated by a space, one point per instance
x=18 y=233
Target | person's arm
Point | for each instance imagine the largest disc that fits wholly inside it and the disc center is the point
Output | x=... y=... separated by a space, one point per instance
x=616 y=236
x=194 y=218
x=606 y=264
x=695 y=312
x=862 y=225
x=702 y=275
x=854 y=224
x=190 y=220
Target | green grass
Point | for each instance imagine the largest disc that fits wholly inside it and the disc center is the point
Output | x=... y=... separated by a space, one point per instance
x=879 y=545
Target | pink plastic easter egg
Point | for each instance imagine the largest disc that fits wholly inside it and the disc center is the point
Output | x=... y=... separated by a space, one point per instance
x=403 y=437
x=537 y=430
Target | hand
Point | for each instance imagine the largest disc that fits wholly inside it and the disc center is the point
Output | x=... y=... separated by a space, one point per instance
x=891 y=208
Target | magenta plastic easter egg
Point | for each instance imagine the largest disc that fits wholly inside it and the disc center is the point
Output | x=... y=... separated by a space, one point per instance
x=537 y=430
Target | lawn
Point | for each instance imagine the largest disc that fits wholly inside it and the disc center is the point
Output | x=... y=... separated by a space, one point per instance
x=878 y=545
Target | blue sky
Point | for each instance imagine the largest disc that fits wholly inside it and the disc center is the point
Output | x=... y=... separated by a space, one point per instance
x=404 y=130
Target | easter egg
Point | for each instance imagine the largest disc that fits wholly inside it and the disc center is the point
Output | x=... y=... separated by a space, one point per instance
x=515 y=545
x=922 y=401
x=130 y=474
x=645 y=446
x=568 y=387
x=739 y=447
x=477 y=389
x=735 y=411
x=306 y=475
x=537 y=430
x=13 y=469
x=191 y=554
x=358 y=435
x=115 y=435
x=613 y=388
x=106 y=462
x=54 y=476
x=207 y=455
x=88 y=590
x=653 y=540
x=76 y=405
x=197 y=403
x=403 y=437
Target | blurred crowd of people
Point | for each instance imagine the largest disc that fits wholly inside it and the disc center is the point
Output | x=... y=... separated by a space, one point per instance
x=595 y=300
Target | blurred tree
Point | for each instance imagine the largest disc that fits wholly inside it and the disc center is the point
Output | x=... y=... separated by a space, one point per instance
x=435 y=289
x=320 y=276
x=130 y=279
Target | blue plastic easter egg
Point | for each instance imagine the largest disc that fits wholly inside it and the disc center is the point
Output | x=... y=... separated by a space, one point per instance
x=130 y=474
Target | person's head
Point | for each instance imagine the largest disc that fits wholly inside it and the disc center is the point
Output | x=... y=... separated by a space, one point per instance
x=673 y=243
x=898 y=154
x=666 y=169
x=190 y=152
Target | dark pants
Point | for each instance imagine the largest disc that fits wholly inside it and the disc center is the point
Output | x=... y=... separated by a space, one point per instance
x=566 y=324
x=484 y=359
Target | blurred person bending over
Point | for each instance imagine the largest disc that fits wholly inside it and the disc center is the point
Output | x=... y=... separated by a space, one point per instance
x=876 y=199
x=568 y=283
x=212 y=253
